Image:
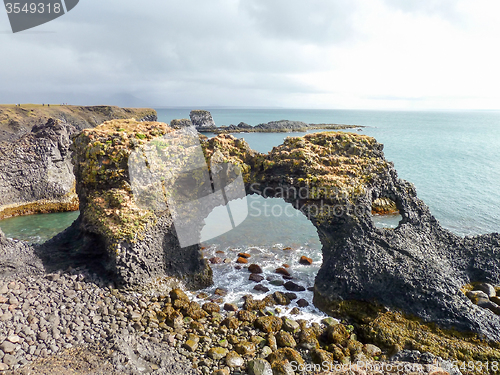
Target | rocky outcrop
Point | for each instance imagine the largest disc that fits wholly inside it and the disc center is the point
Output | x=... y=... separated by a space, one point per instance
x=36 y=173
x=16 y=121
x=202 y=119
x=418 y=268
x=391 y=282
x=282 y=126
x=180 y=123
x=203 y=122
x=136 y=246
x=17 y=258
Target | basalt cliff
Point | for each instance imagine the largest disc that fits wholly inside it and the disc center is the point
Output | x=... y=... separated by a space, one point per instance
x=36 y=173
x=137 y=247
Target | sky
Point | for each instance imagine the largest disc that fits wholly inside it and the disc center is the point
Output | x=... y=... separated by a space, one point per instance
x=349 y=54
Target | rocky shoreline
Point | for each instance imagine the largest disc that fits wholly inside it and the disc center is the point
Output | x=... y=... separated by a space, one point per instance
x=72 y=323
x=282 y=126
x=112 y=279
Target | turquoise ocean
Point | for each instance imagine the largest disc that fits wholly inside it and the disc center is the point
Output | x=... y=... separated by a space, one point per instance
x=452 y=157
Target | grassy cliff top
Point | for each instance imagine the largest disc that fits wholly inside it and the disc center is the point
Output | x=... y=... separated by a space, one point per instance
x=15 y=121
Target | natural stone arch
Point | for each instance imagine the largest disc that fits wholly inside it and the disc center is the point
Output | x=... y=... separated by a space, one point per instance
x=418 y=268
x=282 y=223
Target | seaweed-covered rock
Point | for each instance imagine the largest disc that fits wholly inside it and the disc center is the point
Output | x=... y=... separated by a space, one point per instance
x=286 y=354
x=268 y=323
x=285 y=339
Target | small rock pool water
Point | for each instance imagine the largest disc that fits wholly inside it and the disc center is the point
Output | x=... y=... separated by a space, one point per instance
x=37 y=228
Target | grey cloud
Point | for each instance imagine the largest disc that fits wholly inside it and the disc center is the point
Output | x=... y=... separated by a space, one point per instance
x=100 y=49
x=314 y=21
x=446 y=9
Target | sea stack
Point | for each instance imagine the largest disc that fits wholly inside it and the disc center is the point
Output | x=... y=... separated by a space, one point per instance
x=202 y=119
x=140 y=245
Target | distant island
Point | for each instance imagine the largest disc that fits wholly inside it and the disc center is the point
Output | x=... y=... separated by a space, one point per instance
x=204 y=122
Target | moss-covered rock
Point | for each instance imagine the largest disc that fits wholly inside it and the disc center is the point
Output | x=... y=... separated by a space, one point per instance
x=285 y=340
x=141 y=244
x=268 y=323
x=337 y=334
x=217 y=353
x=320 y=356
x=286 y=354
x=245 y=348
x=308 y=339
x=246 y=316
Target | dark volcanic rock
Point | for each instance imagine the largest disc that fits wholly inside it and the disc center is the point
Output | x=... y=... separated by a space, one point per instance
x=418 y=267
x=135 y=245
x=17 y=257
x=282 y=271
x=305 y=260
x=283 y=126
x=202 y=120
x=180 y=123
x=255 y=277
x=293 y=287
x=254 y=268
x=36 y=174
x=261 y=288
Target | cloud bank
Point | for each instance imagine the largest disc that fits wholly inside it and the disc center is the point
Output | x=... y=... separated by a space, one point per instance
x=318 y=54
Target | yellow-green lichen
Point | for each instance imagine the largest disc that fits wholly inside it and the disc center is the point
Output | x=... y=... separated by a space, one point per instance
x=394 y=331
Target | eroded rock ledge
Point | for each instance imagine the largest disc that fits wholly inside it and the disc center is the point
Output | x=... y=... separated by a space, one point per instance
x=137 y=247
x=36 y=173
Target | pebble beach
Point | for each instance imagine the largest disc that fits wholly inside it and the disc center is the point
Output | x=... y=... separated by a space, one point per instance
x=72 y=323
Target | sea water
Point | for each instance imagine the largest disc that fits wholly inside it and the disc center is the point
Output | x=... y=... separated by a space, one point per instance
x=452 y=157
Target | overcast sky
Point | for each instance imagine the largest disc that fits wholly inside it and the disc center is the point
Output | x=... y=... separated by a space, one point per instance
x=361 y=54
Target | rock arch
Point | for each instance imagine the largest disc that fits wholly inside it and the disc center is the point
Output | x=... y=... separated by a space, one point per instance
x=418 y=268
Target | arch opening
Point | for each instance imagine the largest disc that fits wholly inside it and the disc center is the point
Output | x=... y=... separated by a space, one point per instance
x=385 y=214
x=276 y=237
